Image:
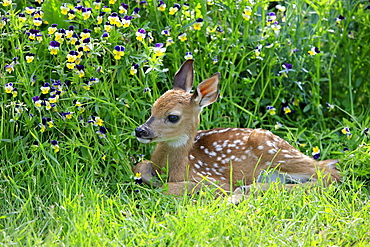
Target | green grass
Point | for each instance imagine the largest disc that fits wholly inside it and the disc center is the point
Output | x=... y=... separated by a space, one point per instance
x=81 y=191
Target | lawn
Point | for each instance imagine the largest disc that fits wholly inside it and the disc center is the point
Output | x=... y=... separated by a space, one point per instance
x=77 y=78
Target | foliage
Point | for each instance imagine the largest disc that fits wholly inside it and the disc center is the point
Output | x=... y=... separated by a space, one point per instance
x=76 y=79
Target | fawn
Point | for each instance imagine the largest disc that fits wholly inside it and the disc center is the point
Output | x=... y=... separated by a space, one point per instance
x=222 y=155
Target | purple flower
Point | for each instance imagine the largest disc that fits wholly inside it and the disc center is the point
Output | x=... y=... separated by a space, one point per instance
x=54 y=44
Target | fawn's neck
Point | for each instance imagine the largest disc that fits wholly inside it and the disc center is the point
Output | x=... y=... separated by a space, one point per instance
x=174 y=157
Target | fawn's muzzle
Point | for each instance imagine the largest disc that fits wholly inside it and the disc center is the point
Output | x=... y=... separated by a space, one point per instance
x=141 y=132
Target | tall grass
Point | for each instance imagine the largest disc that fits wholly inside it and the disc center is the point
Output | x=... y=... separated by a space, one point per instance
x=66 y=156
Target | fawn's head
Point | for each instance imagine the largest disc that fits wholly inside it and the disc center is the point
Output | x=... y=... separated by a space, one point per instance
x=175 y=115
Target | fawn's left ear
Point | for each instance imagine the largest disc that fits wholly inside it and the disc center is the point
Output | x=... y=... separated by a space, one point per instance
x=184 y=76
x=207 y=91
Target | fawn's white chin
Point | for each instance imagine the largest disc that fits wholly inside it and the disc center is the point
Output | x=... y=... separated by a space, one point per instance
x=142 y=140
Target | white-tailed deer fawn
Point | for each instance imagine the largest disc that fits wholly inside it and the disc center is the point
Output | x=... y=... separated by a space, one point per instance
x=223 y=155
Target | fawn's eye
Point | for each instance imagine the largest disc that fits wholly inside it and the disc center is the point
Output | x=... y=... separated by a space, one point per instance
x=173 y=118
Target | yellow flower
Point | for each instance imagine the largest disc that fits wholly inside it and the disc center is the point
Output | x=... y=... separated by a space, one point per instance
x=182 y=37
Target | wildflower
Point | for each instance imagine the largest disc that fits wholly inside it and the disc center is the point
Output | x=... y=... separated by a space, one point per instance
x=37 y=22
x=271 y=17
x=169 y=41
x=278 y=125
x=126 y=21
x=118 y=52
x=30 y=10
x=97 y=4
x=316 y=152
x=113 y=19
x=271 y=110
x=161 y=6
x=140 y=34
x=182 y=37
x=72 y=56
x=112 y=1
x=86 y=12
x=159 y=49
x=96 y=121
x=280 y=8
x=347 y=132
x=286 y=69
x=7 y=2
x=215 y=60
x=366 y=130
x=144 y=4
x=59 y=35
x=80 y=70
x=287 y=109
x=52 y=29
x=105 y=35
x=106 y=9
x=165 y=33
x=64 y=9
x=9 y=87
x=188 y=55
x=150 y=37
x=257 y=50
x=133 y=69
x=339 y=19
x=85 y=34
x=35 y=145
x=330 y=106
x=108 y=27
x=32 y=34
x=146 y=90
x=71 y=14
x=314 y=51
x=37 y=101
x=123 y=8
x=55 y=146
x=54 y=47
x=247 y=13
x=45 y=88
x=9 y=67
x=102 y=132
x=138 y=178
x=276 y=27
x=173 y=10
x=198 y=24
x=135 y=13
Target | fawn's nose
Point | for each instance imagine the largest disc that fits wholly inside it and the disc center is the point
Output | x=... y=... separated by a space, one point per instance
x=141 y=132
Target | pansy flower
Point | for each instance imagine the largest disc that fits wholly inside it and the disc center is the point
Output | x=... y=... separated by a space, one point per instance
x=330 y=106
x=66 y=115
x=71 y=14
x=137 y=178
x=247 y=13
x=276 y=27
x=30 y=57
x=169 y=41
x=85 y=34
x=45 y=88
x=32 y=34
x=135 y=13
x=123 y=8
x=173 y=10
x=287 y=67
x=86 y=12
x=314 y=51
x=7 y=2
x=96 y=121
x=113 y=19
x=97 y=4
x=118 y=52
x=257 y=50
x=161 y=6
x=347 y=132
x=159 y=49
x=80 y=70
x=287 y=109
x=52 y=29
x=150 y=37
x=9 y=87
x=126 y=21
x=165 y=33
x=64 y=9
x=339 y=19
x=140 y=34
x=59 y=35
x=22 y=17
x=37 y=21
x=108 y=27
x=271 y=17
x=9 y=67
x=133 y=69
x=105 y=35
x=102 y=132
x=55 y=146
x=112 y=1
x=280 y=8
x=271 y=110
x=198 y=24
x=54 y=47
x=188 y=55
x=106 y=9
x=366 y=131
x=37 y=101
x=316 y=152
x=182 y=37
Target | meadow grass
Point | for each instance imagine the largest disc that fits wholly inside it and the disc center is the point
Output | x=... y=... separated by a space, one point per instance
x=72 y=94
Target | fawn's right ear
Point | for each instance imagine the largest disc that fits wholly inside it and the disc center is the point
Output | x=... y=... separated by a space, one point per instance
x=184 y=77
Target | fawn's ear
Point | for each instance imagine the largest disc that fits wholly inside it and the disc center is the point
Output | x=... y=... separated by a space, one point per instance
x=184 y=77
x=207 y=91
